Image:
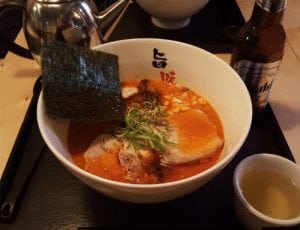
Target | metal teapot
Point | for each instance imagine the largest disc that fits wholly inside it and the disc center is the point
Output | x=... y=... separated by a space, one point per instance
x=72 y=21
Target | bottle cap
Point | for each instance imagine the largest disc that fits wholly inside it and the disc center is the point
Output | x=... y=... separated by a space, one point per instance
x=272 y=5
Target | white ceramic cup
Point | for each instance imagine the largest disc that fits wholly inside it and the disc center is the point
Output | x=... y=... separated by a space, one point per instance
x=171 y=14
x=245 y=208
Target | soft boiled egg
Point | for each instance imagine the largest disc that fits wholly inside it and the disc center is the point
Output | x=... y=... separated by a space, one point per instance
x=195 y=138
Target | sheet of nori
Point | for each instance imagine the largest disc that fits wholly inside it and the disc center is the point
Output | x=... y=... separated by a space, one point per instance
x=81 y=84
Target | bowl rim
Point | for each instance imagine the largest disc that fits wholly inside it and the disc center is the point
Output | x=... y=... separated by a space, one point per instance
x=239 y=192
x=218 y=166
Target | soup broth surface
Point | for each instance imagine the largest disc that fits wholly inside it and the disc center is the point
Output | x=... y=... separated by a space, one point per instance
x=272 y=194
x=192 y=133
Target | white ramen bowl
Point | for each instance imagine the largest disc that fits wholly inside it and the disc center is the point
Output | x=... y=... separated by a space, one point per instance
x=171 y=14
x=188 y=65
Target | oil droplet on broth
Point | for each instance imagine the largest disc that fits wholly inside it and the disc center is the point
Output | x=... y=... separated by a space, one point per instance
x=272 y=194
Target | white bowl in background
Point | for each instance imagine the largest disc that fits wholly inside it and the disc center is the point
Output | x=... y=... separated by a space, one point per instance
x=171 y=14
x=191 y=66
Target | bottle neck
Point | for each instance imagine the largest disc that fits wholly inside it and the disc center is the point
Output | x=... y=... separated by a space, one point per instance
x=268 y=12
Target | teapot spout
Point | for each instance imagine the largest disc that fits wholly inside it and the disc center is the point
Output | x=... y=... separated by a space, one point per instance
x=109 y=18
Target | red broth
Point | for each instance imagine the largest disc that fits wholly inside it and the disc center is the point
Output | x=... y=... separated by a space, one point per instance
x=80 y=136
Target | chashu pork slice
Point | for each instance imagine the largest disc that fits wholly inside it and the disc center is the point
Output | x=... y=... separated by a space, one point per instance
x=103 y=143
x=141 y=165
x=195 y=138
x=101 y=157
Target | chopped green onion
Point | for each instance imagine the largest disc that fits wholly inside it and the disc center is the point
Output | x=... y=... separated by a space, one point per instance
x=146 y=127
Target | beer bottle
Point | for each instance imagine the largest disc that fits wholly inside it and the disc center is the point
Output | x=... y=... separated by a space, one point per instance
x=259 y=48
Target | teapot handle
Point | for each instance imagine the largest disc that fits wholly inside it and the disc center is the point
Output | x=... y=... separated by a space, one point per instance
x=13 y=47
